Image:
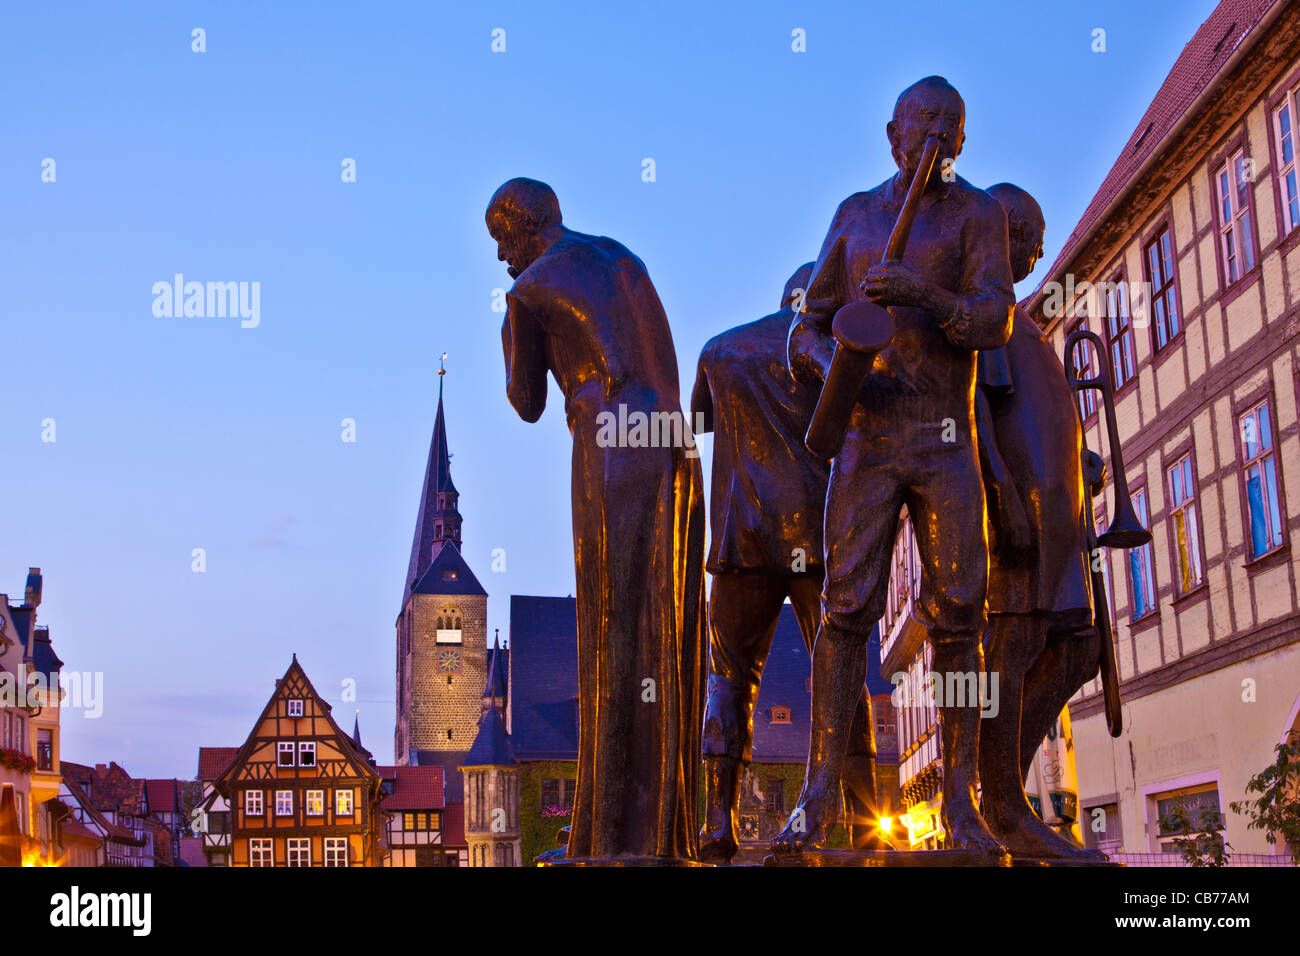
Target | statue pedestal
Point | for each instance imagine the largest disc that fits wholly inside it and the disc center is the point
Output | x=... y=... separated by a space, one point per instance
x=1057 y=861
x=908 y=858
x=621 y=861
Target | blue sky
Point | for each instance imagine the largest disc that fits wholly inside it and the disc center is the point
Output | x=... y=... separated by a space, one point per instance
x=181 y=433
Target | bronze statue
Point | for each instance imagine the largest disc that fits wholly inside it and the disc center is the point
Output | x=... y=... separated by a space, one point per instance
x=1040 y=638
x=583 y=308
x=911 y=441
x=768 y=493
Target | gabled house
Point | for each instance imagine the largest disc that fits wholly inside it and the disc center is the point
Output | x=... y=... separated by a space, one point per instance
x=301 y=791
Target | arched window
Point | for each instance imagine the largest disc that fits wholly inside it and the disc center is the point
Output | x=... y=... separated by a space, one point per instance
x=449 y=625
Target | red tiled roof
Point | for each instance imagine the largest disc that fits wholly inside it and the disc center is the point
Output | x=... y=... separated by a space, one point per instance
x=453 y=825
x=71 y=829
x=415 y=788
x=164 y=796
x=1197 y=66
x=213 y=761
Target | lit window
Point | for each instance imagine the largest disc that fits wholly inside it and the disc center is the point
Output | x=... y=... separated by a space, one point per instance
x=1259 y=467
x=285 y=750
x=1284 y=134
x=315 y=803
x=260 y=852
x=299 y=851
x=284 y=803
x=1164 y=299
x=1119 y=334
x=343 y=803
x=780 y=715
x=336 y=851
x=1236 y=239
x=307 y=754
x=1139 y=563
x=1187 y=533
x=253 y=803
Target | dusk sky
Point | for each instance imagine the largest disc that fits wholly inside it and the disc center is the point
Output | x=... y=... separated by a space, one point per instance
x=175 y=433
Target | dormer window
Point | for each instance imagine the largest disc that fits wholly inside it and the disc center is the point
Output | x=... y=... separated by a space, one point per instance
x=295 y=708
x=450 y=575
x=780 y=715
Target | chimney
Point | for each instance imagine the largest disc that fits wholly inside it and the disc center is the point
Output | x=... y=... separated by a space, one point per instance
x=32 y=594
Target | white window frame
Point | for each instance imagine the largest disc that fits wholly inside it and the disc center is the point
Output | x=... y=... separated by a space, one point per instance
x=306 y=747
x=283 y=747
x=315 y=803
x=343 y=803
x=1236 y=236
x=298 y=851
x=284 y=803
x=254 y=798
x=1288 y=175
x=295 y=708
x=261 y=852
x=1187 y=556
x=336 y=851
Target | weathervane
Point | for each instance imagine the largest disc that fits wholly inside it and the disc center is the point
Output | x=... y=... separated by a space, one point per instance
x=442 y=370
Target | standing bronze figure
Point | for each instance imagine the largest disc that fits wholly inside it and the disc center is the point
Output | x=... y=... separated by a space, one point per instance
x=768 y=494
x=911 y=441
x=1039 y=596
x=584 y=309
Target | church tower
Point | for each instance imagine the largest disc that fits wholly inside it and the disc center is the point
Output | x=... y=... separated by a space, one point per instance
x=442 y=626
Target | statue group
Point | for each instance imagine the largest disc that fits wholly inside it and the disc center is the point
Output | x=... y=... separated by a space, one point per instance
x=897 y=373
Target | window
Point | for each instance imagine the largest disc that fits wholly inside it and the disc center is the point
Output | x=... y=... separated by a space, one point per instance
x=343 y=803
x=307 y=753
x=1164 y=299
x=336 y=851
x=1101 y=829
x=1140 y=561
x=1236 y=239
x=885 y=718
x=299 y=851
x=1084 y=367
x=1201 y=806
x=558 y=794
x=44 y=750
x=284 y=803
x=295 y=708
x=780 y=715
x=774 y=795
x=448 y=626
x=260 y=852
x=284 y=753
x=1119 y=334
x=1186 y=530
x=253 y=803
x=1284 y=133
x=1259 y=466
x=315 y=803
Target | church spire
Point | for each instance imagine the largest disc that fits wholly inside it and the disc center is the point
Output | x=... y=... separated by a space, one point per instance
x=439 y=516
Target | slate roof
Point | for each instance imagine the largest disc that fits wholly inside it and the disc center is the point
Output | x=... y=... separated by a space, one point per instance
x=544 y=675
x=448 y=760
x=213 y=761
x=446 y=561
x=44 y=660
x=498 y=668
x=491 y=746
x=414 y=788
x=437 y=480
x=1196 y=68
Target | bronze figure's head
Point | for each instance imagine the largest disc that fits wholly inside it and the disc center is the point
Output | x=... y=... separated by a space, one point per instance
x=1025 y=227
x=524 y=219
x=930 y=105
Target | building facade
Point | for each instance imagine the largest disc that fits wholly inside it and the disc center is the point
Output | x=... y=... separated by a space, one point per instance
x=300 y=791
x=1187 y=264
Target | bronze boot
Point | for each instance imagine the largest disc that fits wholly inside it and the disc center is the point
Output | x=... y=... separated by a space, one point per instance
x=718 y=835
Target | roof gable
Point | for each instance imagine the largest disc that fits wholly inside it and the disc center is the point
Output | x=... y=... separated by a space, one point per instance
x=448 y=574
